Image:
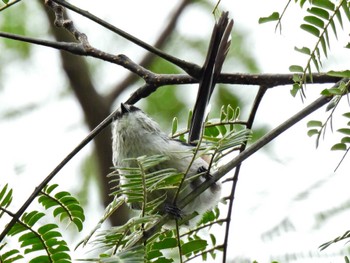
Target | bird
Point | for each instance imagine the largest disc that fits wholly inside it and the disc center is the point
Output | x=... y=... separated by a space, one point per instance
x=135 y=134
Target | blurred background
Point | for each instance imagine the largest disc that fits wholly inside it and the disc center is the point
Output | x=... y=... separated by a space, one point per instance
x=289 y=199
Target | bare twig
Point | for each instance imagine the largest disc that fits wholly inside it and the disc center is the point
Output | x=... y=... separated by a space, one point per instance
x=190 y=68
x=9 y=4
x=149 y=57
x=249 y=125
x=154 y=80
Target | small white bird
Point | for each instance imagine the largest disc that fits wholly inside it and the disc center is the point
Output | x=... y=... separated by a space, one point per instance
x=135 y=134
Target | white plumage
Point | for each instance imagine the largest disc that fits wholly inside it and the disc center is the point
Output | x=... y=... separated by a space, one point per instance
x=135 y=134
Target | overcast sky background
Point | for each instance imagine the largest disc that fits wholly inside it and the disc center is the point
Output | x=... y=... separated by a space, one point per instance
x=273 y=182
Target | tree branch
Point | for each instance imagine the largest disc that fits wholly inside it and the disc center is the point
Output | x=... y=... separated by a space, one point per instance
x=147 y=60
x=9 y=4
x=190 y=68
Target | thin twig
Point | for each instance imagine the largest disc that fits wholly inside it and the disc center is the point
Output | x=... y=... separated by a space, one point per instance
x=9 y=4
x=190 y=68
x=256 y=103
x=39 y=188
x=149 y=57
x=154 y=81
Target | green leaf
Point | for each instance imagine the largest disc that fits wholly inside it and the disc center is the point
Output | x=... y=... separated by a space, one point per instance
x=316 y=64
x=194 y=246
x=5 y=201
x=230 y=113
x=341 y=74
x=314 y=123
x=16 y=229
x=295 y=88
x=319 y=12
x=5 y=1
x=339 y=147
x=334 y=28
x=323 y=45
x=165 y=244
x=212 y=131
x=340 y=20
x=312 y=132
x=314 y=21
x=50 y=188
x=296 y=68
x=174 y=126
x=324 y=3
x=46 y=228
x=33 y=217
x=223 y=114
x=40 y=259
x=11 y=256
x=346 y=114
x=62 y=194
x=222 y=129
x=345 y=140
x=310 y=29
x=213 y=239
x=27 y=236
x=273 y=17
x=346 y=9
x=52 y=235
x=335 y=91
x=302 y=2
x=345 y=131
x=303 y=50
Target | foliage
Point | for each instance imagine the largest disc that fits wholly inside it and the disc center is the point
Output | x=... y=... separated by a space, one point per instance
x=33 y=234
x=322 y=17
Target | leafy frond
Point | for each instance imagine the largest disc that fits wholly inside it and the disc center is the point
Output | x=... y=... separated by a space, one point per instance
x=144 y=180
x=33 y=235
x=66 y=206
x=318 y=129
x=9 y=256
x=46 y=239
x=323 y=16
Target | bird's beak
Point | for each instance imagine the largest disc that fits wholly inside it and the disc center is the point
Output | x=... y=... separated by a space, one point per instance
x=124 y=108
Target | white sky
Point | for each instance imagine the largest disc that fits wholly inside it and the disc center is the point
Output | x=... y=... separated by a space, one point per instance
x=32 y=145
